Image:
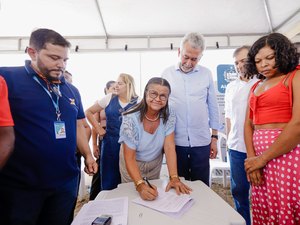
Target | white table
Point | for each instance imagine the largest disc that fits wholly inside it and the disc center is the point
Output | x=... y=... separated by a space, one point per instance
x=209 y=208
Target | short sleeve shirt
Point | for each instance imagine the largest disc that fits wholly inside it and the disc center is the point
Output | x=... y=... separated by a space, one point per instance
x=147 y=146
x=5 y=114
x=39 y=158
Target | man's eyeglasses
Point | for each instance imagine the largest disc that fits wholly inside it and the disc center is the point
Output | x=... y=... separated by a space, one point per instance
x=153 y=94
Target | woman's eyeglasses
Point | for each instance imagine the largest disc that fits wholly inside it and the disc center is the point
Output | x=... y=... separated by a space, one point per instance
x=153 y=94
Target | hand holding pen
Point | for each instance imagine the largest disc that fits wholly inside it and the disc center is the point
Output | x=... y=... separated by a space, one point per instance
x=147 y=191
x=147 y=181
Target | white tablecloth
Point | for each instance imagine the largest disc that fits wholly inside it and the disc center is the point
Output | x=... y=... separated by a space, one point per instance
x=209 y=208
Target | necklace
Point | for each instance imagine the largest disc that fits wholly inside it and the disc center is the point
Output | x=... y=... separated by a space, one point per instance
x=151 y=120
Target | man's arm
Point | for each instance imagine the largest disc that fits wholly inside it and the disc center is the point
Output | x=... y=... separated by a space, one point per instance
x=91 y=166
x=213 y=145
x=228 y=126
x=7 y=135
x=227 y=108
x=7 y=139
x=87 y=129
x=214 y=121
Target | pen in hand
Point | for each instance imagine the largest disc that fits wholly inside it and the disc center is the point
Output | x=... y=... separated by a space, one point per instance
x=145 y=179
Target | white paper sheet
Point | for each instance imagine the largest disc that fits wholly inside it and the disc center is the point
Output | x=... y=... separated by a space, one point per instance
x=168 y=202
x=185 y=208
x=116 y=207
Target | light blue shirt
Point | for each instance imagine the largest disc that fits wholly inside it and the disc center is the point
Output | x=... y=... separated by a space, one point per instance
x=194 y=100
x=147 y=146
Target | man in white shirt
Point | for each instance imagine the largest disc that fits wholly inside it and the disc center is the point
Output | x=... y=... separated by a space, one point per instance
x=194 y=100
x=236 y=101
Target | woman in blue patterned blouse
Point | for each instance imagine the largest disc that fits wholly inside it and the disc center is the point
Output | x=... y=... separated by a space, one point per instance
x=147 y=131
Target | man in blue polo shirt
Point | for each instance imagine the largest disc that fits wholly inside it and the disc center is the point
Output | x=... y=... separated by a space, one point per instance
x=38 y=185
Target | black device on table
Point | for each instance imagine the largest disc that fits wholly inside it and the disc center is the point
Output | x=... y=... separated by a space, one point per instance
x=102 y=220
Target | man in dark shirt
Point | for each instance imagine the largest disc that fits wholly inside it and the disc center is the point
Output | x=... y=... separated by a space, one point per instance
x=38 y=185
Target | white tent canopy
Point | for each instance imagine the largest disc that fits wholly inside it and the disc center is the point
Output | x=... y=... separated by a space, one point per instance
x=118 y=25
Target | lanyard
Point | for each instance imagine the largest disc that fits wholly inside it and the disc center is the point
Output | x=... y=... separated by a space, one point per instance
x=55 y=104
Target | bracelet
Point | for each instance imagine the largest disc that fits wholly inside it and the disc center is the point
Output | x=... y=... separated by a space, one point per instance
x=138 y=183
x=174 y=176
x=215 y=136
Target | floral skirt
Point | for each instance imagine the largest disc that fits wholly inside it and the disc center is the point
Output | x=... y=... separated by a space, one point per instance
x=277 y=200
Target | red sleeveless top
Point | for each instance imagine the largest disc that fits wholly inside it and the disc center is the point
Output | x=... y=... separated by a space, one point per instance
x=274 y=105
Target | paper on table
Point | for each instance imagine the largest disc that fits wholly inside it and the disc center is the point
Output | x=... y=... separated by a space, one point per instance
x=166 y=202
x=117 y=207
x=184 y=209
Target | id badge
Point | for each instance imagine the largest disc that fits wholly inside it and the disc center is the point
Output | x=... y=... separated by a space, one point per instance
x=60 y=129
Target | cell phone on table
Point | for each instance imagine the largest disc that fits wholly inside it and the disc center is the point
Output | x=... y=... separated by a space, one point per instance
x=102 y=220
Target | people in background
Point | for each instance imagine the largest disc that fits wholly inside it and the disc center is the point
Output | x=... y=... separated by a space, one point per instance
x=97 y=140
x=7 y=136
x=38 y=185
x=272 y=131
x=147 y=131
x=114 y=105
x=69 y=78
x=236 y=98
x=197 y=117
x=297 y=45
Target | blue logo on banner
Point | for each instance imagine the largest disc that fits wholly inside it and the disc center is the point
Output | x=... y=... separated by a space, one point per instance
x=225 y=74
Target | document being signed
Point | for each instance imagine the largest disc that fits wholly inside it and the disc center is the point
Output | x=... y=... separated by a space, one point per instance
x=168 y=202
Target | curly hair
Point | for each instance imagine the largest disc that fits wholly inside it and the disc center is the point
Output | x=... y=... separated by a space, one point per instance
x=142 y=107
x=286 y=56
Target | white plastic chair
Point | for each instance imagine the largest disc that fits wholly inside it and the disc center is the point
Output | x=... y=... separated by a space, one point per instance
x=220 y=163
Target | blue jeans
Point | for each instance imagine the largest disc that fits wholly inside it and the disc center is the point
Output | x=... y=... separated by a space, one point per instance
x=239 y=184
x=193 y=163
x=38 y=207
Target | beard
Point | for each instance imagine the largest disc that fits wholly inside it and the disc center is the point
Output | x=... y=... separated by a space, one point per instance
x=185 y=69
x=46 y=72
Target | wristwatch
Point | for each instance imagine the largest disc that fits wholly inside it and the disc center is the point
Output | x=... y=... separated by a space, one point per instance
x=215 y=136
